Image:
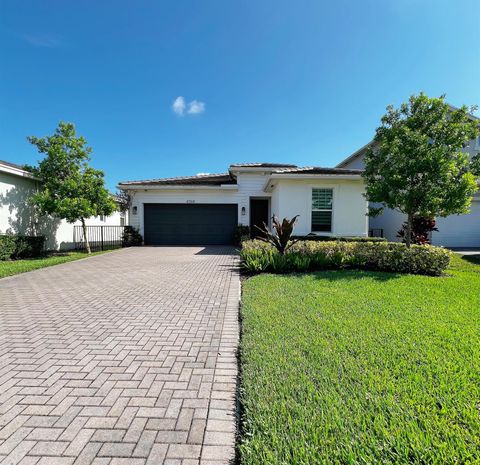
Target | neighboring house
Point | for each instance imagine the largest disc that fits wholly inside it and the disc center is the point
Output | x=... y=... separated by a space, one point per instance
x=206 y=209
x=18 y=217
x=453 y=231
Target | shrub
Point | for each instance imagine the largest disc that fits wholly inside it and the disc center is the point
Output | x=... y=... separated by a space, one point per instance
x=421 y=230
x=7 y=247
x=12 y=246
x=131 y=237
x=242 y=234
x=281 y=236
x=318 y=238
x=258 y=257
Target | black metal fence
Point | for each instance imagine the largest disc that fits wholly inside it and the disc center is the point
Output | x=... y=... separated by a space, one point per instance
x=99 y=237
x=375 y=232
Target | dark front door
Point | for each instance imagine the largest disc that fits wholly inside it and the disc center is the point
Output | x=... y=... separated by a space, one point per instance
x=190 y=224
x=258 y=216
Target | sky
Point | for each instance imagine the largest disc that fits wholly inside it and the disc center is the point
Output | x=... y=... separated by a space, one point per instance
x=170 y=88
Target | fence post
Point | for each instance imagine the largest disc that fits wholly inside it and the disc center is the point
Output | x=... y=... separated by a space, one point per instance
x=101 y=235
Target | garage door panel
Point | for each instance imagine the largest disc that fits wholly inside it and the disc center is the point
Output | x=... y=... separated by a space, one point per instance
x=190 y=224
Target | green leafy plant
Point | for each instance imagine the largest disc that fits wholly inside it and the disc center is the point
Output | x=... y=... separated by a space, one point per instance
x=416 y=164
x=131 y=237
x=70 y=188
x=258 y=256
x=280 y=237
x=242 y=233
x=14 y=247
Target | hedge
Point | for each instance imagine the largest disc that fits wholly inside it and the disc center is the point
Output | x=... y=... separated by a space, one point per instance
x=13 y=247
x=258 y=256
x=316 y=238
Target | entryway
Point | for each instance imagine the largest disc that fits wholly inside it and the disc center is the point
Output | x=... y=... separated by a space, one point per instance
x=259 y=215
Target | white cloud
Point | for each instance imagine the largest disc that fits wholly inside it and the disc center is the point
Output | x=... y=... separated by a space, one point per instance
x=42 y=40
x=196 y=107
x=179 y=106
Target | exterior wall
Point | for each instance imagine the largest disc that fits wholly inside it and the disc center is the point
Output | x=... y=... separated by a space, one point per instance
x=249 y=185
x=17 y=217
x=454 y=231
x=459 y=230
x=349 y=218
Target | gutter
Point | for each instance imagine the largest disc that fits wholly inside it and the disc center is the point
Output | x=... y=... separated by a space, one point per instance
x=227 y=187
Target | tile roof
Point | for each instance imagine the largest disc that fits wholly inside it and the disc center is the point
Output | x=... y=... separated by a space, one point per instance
x=262 y=165
x=12 y=165
x=198 y=180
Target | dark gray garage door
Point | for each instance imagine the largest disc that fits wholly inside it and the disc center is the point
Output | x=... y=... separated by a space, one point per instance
x=190 y=224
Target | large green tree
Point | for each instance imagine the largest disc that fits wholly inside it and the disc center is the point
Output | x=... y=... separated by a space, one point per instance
x=416 y=164
x=70 y=188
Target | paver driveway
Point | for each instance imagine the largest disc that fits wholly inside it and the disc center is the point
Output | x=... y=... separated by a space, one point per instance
x=123 y=358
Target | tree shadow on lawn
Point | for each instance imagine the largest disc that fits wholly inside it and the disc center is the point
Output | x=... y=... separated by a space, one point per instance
x=353 y=274
x=475 y=259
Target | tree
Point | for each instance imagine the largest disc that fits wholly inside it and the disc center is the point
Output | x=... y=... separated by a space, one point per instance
x=70 y=188
x=416 y=164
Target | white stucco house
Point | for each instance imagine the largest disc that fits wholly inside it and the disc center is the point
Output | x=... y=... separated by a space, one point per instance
x=456 y=231
x=17 y=216
x=206 y=209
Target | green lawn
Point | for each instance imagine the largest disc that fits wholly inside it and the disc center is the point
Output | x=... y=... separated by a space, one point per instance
x=352 y=367
x=9 y=268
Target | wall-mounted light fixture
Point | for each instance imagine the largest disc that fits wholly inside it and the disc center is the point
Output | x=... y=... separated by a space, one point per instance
x=243 y=211
x=134 y=210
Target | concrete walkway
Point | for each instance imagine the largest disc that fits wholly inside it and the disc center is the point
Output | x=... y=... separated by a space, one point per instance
x=124 y=358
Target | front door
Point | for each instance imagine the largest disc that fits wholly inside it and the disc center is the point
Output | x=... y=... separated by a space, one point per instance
x=258 y=216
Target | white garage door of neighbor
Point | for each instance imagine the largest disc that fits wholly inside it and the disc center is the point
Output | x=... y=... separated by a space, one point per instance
x=459 y=230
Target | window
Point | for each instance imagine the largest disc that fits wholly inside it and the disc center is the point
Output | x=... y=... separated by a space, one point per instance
x=322 y=200
x=102 y=218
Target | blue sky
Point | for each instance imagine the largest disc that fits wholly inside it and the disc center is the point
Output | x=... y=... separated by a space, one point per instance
x=302 y=82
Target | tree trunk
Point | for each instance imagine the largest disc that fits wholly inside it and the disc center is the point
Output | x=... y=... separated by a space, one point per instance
x=408 y=238
x=87 y=244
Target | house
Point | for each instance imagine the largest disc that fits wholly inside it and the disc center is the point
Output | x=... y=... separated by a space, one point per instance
x=18 y=217
x=456 y=231
x=206 y=209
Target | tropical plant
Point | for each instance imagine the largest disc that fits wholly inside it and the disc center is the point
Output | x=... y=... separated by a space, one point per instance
x=421 y=230
x=281 y=235
x=417 y=165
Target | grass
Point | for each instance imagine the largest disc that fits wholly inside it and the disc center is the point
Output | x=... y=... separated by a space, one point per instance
x=12 y=267
x=356 y=367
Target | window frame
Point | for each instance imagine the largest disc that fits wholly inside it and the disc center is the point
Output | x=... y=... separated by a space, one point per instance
x=331 y=210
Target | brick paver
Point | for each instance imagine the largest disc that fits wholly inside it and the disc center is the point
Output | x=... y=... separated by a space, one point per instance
x=123 y=358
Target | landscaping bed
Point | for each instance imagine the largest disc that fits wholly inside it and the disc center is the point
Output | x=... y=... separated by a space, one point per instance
x=361 y=367
x=258 y=256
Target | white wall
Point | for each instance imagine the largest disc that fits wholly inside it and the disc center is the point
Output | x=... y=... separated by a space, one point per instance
x=249 y=185
x=349 y=218
x=17 y=217
x=459 y=230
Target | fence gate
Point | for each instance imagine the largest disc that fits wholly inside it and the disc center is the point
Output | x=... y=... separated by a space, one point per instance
x=99 y=237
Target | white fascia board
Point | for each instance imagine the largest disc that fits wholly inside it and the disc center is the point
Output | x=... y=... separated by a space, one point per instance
x=17 y=172
x=274 y=178
x=137 y=187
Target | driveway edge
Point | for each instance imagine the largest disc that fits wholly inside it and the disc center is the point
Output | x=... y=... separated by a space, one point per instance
x=220 y=433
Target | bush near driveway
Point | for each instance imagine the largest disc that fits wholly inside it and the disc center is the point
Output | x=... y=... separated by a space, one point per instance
x=357 y=367
x=258 y=256
x=13 y=246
